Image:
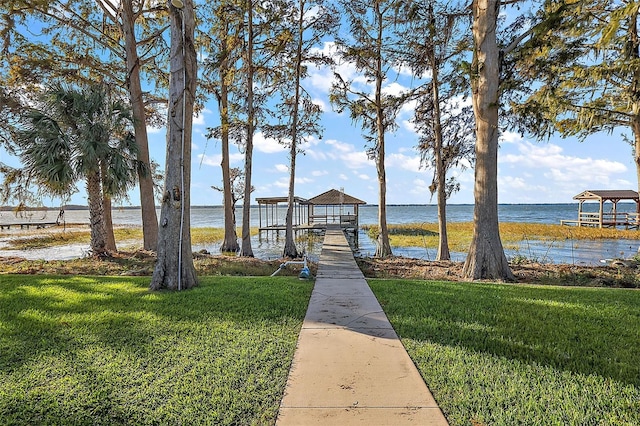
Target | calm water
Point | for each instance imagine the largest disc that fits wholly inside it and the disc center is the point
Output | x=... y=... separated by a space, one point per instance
x=565 y=251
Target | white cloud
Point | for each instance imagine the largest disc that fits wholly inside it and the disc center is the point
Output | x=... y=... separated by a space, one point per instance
x=283 y=182
x=347 y=153
x=343 y=176
x=282 y=168
x=394 y=89
x=510 y=137
x=321 y=103
x=410 y=163
x=363 y=176
x=318 y=173
x=340 y=146
x=216 y=159
x=420 y=187
x=304 y=180
x=198 y=120
x=550 y=162
x=267 y=145
x=155 y=130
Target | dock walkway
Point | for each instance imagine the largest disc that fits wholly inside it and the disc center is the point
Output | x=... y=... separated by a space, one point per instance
x=350 y=366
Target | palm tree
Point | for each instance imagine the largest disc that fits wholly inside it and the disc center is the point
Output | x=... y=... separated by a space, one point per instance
x=74 y=134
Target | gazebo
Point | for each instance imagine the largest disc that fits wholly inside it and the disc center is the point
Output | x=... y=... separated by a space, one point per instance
x=612 y=218
x=334 y=207
x=329 y=208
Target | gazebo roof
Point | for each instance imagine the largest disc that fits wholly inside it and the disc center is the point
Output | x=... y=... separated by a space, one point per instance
x=608 y=194
x=333 y=197
x=277 y=200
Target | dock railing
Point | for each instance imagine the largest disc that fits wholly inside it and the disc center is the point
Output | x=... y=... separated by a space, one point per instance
x=611 y=219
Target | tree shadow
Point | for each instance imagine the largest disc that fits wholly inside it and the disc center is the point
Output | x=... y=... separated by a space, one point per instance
x=585 y=331
x=56 y=315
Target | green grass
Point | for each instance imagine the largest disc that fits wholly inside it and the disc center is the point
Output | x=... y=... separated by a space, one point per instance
x=497 y=354
x=105 y=350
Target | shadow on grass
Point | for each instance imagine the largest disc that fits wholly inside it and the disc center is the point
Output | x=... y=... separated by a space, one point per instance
x=56 y=314
x=587 y=331
x=105 y=350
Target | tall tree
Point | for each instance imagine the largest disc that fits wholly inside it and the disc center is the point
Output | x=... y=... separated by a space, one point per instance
x=435 y=44
x=486 y=258
x=245 y=246
x=74 y=134
x=373 y=48
x=222 y=64
x=265 y=39
x=84 y=40
x=299 y=116
x=588 y=70
x=174 y=268
x=236 y=180
x=125 y=14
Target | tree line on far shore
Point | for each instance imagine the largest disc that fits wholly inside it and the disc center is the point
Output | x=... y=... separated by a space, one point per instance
x=82 y=80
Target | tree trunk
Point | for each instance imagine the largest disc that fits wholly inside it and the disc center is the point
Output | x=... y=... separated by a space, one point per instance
x=246 y=249
x=145 y=181
x=635 y=127
x=110 y=238
x=96 y=215
x=383 y=246
x=230 y=242
x=441 y=167
x=290 y=249
x=634 y=39
x=486 y=258
x=441 y=170
x=174 y=268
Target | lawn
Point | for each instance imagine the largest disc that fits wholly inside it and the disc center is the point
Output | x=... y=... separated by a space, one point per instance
x=105 y=350
x=496 y=354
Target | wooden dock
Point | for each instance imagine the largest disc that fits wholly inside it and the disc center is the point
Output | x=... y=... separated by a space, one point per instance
x=605 y=220
x=27 y=225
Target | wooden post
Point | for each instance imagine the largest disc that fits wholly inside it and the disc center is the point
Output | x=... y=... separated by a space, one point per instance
x=601 y=211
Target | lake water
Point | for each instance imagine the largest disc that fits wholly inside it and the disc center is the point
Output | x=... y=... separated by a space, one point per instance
x=270 y=246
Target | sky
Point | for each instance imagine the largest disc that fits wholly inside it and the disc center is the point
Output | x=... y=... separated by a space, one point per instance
x=529 y=171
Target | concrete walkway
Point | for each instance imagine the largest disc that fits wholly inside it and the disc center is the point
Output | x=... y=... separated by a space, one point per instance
x=349 y=366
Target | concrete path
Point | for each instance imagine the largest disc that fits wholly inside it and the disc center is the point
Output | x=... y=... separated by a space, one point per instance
x=349 y=366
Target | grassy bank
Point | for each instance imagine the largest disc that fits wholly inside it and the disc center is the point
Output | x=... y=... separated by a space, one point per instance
x=57 y=236
x=511 y=233
x=505 y=354
x=87 y=350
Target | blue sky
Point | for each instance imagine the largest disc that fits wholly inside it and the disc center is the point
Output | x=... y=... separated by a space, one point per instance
x=529 y=171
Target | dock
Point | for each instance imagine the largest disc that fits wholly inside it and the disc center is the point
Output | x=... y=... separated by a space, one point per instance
x=606 y=219
x=27 y=225
x=329 y=209
x=350 y=367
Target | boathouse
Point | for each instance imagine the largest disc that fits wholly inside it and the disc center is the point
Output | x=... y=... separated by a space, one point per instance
x=329 y=208
x=608 y=214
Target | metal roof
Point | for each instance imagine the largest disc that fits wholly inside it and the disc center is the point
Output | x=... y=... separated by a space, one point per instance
x=277 y=200
x=608 y=194
x=333 y=197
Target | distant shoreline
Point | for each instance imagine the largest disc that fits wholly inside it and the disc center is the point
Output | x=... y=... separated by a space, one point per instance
x=81 y=207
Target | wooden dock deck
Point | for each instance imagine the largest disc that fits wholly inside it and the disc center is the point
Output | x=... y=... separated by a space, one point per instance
x=606 y=220
x=27 y=225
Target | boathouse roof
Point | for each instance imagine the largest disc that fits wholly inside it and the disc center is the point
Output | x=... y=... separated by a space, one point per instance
x=277 y=200
x=608 y=194
x=333 y=197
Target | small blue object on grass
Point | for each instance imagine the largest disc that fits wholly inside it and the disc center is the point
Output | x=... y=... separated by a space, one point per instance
x=304 y=274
